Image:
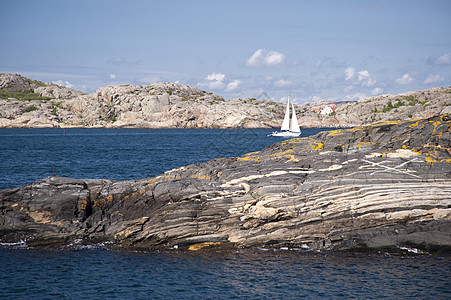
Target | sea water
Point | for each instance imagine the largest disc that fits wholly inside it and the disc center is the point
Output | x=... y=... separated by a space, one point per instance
x=97 y=272
x=27 y=155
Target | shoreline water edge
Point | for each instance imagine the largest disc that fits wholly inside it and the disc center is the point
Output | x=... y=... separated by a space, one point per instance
x=379 y=187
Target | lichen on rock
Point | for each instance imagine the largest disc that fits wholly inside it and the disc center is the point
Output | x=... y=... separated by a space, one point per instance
x=383 y=186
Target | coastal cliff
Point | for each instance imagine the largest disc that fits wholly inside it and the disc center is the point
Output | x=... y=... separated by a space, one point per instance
x=383 y=186
x=34 y=104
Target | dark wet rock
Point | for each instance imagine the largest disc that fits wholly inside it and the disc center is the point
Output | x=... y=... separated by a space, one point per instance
x=385 y=186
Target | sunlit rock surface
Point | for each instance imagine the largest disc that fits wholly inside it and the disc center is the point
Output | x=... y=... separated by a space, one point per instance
x=385 y=186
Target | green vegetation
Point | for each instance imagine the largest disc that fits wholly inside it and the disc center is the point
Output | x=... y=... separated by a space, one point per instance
x=411 y=101
x=36 y=82
x=25 y=95
x=388 y=107
x=30 y=108
x=57 y=104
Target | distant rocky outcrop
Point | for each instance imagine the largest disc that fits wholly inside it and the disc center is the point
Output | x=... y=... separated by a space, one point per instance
x=411 y=105
x=30 y=103
x=160 y=105
x=384 y=186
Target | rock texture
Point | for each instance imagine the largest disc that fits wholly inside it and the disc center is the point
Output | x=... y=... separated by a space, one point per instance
x=160 y=105
x=373 y=187
x=411 y=105
x=29 y=103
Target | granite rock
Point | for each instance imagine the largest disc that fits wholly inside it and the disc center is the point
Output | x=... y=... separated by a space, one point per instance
x=384 y=186
x=171 y=105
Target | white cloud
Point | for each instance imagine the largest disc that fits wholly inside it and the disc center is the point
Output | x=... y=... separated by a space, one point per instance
x=231 y=86
x=216 y=80
x=350 y=73
x=274 y=58
x=64 y=83
x=262 y=57
x=363 y=75
x=70 y=85
x=112 y=76
x=365 y=78
x=404 y=79
x=442 y=60
x=377 y=91
x=216 y=76
x=283 y=83
x=433 y=79
x=445 y=59
x=356 y=96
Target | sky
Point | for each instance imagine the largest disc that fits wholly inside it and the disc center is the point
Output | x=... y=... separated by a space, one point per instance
x=310 y=50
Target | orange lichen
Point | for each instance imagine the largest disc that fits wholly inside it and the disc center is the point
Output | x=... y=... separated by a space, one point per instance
x=200 y=246
x=206 y=176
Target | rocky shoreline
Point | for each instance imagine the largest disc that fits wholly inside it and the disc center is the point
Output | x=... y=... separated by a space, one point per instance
x=26 y=103
x=384 y=186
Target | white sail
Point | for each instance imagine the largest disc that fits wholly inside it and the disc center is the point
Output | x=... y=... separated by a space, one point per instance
x=288 y=129
x=286 y=119
x=294 y=121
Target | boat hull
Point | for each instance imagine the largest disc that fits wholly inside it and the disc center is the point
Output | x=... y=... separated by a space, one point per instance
x=285 y=134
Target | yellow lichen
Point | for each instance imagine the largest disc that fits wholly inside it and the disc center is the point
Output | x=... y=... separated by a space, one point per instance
x=292 y=158
x=430 y=159
x=316 y=146
x=249 y=158
x=415 y=124
x=283 y=153
x=361 y=145
x=336 y=132
x=385 y=123
x=435 y=123
x=251 y=153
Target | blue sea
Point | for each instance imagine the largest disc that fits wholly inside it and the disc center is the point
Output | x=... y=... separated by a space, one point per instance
x=27 y=155
x=97 y=272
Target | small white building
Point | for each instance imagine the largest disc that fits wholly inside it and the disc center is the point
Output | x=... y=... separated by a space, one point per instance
x=327 y=110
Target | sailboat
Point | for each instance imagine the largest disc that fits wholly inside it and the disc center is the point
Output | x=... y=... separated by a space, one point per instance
x=288 y=129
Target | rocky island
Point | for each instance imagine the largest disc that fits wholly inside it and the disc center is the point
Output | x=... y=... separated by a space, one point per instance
x=380 y=186
x=35 y=104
